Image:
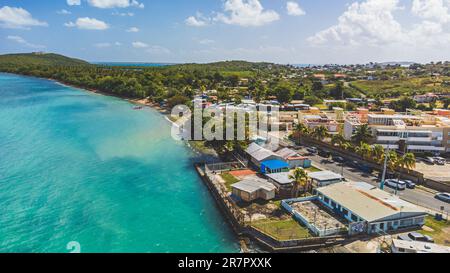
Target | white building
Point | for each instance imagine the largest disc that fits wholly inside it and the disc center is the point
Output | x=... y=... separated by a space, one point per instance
x=402 y=246
x=371 y=207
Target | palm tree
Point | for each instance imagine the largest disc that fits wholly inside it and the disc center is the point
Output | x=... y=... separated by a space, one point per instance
x=364 y=150
x=300 y=129
x=378 y=153
x=300 y=179
x=338 y=140
x=394 y=161
x=320 y=133
x=362 y=134
x=409 y=161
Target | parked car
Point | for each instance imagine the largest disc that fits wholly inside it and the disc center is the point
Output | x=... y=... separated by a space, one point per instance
x=439 y=161
x=339 y=159
x=324 y=153
x=429 y=160
x=443 y=196
x=395 y=184
x=415 y=236
x=312 y=150
x=410 y=184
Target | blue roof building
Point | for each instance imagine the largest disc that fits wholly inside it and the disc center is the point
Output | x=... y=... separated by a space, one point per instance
x=274 y=166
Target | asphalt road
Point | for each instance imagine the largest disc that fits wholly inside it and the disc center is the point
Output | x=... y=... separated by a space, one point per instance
x=416 y=196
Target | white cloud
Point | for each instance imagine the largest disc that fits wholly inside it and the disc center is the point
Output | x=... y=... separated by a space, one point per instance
x=88 y=23
x=432 y=9
x=246 y=13
x=133 y=29
x=23 y=42
x=73 y=2
x=371 y=21
x=108 y=4
x=63 y=12
x=139 y=45
x=294 y=9
x=370 y=30
x=197 y=21
x=11 y=17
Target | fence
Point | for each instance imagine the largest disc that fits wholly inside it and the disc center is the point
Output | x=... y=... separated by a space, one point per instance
x=302 y=219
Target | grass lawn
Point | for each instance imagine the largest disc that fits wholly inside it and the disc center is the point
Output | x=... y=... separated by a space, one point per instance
x=313 y=169
x=441 y=230
x=229 y=180
x=283 y=229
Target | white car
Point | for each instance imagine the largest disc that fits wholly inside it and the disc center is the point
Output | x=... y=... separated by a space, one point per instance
x=395 y=184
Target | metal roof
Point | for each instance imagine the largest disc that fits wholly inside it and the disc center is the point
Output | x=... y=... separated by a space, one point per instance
x=420 y=247
x=286 y=153
x=280 y=178
x=325 y=176
x=253 y=184
x=275 y=164
x=369 y=202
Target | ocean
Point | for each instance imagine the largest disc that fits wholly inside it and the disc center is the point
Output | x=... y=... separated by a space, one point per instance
x=85 y=168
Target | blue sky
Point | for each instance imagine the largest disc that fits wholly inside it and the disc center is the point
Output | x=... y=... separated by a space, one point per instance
x=282 y=31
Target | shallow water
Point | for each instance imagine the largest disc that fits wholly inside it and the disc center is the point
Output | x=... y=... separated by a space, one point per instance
x=77 y=166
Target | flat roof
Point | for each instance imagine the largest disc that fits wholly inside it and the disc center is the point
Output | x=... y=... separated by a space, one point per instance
x=367 y=201
x=325 y=176
x=420 y=247
x=275 y=164
x=286 y=153
x=280 y=178
x=253 y=183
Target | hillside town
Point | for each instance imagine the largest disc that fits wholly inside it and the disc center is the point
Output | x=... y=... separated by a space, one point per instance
x=367 y=178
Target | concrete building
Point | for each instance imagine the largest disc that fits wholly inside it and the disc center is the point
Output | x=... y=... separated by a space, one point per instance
x=415 y=133
x=253 y=188
x=294 y=159
x=316 y=120
x=258 y=154
x=402 y=246
x=370 y=209
x=325 y=178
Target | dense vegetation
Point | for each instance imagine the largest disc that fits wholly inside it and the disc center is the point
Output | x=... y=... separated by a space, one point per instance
x=234 y=80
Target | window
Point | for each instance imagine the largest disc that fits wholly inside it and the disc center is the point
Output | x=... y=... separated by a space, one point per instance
x=354 y=218
x=344 y=211
x=327 y=200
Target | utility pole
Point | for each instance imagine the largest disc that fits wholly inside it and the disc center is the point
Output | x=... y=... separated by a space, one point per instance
x=383 y=178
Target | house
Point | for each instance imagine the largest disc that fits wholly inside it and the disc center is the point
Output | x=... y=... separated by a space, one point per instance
x=253 y=188
x=258 y=154
x=369 y=209
x=283 y=183
x=402 y=246
x=325 y=178
x=274 y=166
x=293 y=159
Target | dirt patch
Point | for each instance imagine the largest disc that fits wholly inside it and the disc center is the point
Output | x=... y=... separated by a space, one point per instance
x=241 y=173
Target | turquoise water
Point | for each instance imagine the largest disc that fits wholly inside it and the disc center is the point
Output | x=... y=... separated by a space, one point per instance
x=76 y=166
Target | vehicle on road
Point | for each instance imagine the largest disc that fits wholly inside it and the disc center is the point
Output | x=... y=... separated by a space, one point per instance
x=429 y=160
x=395 y=184
x=415 y=236
x=410 y=184
x=338 y=159
x=443 y=196
x=312 y=150
x=324 y=153
x=439 y=161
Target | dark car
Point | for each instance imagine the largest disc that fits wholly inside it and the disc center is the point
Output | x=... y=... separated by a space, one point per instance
x=312 y=150
x=410 y=184
x=339 y=159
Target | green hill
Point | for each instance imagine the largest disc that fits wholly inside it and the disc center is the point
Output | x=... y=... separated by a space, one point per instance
x=51 y=59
